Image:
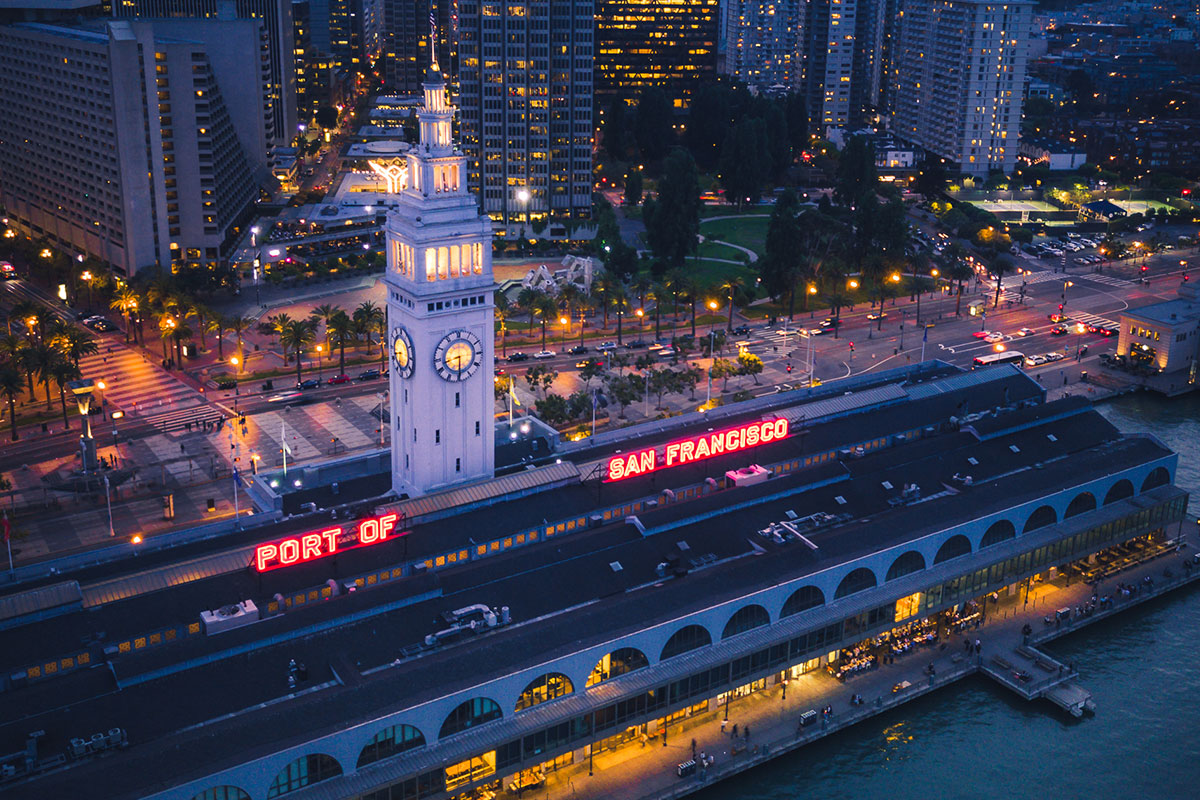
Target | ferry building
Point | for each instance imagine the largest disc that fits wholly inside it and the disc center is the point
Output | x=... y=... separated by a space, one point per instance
x=504 y=627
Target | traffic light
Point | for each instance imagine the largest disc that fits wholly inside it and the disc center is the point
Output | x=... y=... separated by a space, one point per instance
x=1060 y=306
x=789 y=368
x=1144 y=268
x=852 y=347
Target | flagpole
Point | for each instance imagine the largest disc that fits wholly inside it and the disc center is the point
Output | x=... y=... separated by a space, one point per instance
x=237 y=512
x=283 y=439
x=8 y=544
x=924 y=339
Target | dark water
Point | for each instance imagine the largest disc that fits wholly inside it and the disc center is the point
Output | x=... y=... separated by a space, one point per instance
x=975 y=741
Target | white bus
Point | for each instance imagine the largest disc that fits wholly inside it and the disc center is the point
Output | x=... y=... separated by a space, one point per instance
x=1007 y=357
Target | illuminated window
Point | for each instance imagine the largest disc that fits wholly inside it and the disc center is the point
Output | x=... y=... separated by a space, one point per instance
x=618 y=662
x=908 y=606
x=544 y=689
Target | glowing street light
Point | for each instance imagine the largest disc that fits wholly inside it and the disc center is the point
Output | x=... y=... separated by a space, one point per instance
x=853 y=284
x=234 y=361
x=564 y=322
x=712 y=305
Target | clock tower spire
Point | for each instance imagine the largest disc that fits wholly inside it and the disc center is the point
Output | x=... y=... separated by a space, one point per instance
x=440 y=313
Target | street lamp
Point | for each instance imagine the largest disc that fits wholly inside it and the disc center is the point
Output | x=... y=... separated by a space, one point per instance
x=564 y=322
x=254 y=232
x=82 y=390
x=523 y=196
x=641 y=314
x=86 y=277
x=320 y=350
x=234 y=361
x=1079 y=329
x=712 y=305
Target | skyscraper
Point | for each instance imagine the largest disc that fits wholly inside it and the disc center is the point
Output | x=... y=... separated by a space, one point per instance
x=525 y=78
x=405 y=41
x=762 y=41
x=275 y=16
x=440 y=312
x=842 y=61
x=671 y=44
x=958 y=79
x=139 y=143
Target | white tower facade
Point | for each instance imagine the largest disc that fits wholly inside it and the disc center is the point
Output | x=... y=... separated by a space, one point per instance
x=440 y=314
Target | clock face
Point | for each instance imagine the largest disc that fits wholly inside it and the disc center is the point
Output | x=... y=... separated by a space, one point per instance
x=458 y=356
x=402 y=355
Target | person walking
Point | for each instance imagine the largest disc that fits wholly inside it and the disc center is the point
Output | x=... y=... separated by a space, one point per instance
x=746 y=733
x=734 y=735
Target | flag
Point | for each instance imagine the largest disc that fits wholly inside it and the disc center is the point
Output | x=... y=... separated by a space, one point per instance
x=432 y=22
x=512 y=392
x=283 y=438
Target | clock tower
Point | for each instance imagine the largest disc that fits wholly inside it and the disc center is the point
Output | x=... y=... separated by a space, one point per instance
x=440 y=314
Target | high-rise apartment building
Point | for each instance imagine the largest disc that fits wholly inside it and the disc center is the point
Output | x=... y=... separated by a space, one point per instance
x=958 y=76
x=842 y=69
x=525 y=77
x=670 y=44
x=139 y=143
x=404 y=35
x=275 y=16
x=762 y=42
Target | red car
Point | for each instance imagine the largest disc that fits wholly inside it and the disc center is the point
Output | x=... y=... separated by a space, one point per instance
x=339 y=379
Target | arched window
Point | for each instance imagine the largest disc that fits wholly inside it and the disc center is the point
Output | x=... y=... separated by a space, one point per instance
x=543 y=689
x=955 y=546
x=1040 y=518
x=304 y=771
x=222 y=793
x=390 y=742
x=803 y=599
x=1157 y=477
x=1084 y=501
x=475 y=711
x=1002 y=530
x=744 y=619
x=686 y=638
x=1118 y=491
x=906 y=564
x=618 y=662
x=857 y=581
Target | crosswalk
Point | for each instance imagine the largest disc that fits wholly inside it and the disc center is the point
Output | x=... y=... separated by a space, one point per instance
x=1034 y=277
x=134 y=385
x=1110 y=280
x=1087 y=318
x=180 y=418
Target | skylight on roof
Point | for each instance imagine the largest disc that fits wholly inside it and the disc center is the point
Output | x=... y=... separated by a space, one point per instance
x=887 y=485
x=1052 y=437
x=841 y=501
x=1014 y=448
x=973 y=461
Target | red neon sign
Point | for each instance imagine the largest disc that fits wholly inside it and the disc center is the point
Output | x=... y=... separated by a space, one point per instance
x=696 y=448
x=319 y=544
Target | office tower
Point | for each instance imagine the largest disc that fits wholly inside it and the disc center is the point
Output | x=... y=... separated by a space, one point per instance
x=525 y=76
x=276 y=19
x=958 y=79
x=671 y=44
x=405 y=41
x=762 y=42
x=842 y=61
x=138 y=143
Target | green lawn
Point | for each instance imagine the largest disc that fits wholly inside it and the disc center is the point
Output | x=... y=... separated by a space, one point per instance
x=711 y=274
x=750 y=232
x=710 y=249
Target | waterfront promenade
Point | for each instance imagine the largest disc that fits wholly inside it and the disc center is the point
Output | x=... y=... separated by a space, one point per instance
x=648 y=772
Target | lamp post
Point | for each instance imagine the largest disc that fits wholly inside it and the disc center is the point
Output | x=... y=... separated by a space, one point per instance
x=1079 y=329
x=320 y=350
x=86 y=277
x=523 y=196
x=254 y=232
x=234 y=361
x=82 y=390
x=564 y=322
x=641 y=315
x=712 y=306
x=108 y=502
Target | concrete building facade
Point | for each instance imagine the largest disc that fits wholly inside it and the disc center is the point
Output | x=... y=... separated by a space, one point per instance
x=763 y=41
x=141 y=144
x=958 y=80
x=525 y=80
x=671 y=44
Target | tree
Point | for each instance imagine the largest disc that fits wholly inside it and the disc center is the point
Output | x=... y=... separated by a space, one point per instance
x=528 y=300
x=340 y=328
x=11 y=386
x=325 y=312
x=855 y=172
x=327 y=117
x=723 y=369
x=616 y=130
x=619 y=299
x=553 y=409
x=1001 y=266
x=673 y=218
x=592 y=368
x=367 y=318
x=217 y=326
x=731 y=288
x=502 y=309
x=540 y=377
x=652 y=126
x=931 y=177
x=959 y=271
x=633 y=187
x=74 y=344
x=749 y=364
x=237 y=326
x=745 y=161
x=779 y=267
x=623 y=389
x=64 y=371
x=295 y=335
x=125 y=301
x=546 y=309
x=661 y=382
x=796 y=111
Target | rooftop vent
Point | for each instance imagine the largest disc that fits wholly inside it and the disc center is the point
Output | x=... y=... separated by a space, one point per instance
x=1052 y=437
x=841 y=501
x=683 y=546
x=790 y=514
x=887 y=485
x=615 y=566
x=973 y=461
x=1014 y=448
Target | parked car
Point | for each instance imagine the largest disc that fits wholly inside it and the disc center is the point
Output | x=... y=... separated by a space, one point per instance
x=542 y=355
x=308 y=383
x=605 y=347
x=518 y=356
x=742 y=330
x=636 y=344
x=577 y=350
x=1055 y=356
x=339 y=379
x=1034 y=360
x=369 y=375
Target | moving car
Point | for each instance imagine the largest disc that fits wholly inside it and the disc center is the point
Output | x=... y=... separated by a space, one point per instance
x=7 y=271
x=636 y=344
x=339 y=379
x=874 y=315
x=1026 y=332
x=1058 y=330
x=518 y=356
x=285 y=397
x=1033 y=361
x=993 y=337
x=1055 y=356
x=742 y=330
x=604 y=347
x=577 y=350
x=982 y=334
x=587 y=361
x=100 y=324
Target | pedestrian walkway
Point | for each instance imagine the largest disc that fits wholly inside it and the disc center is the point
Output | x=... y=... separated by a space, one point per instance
x=133 y=384
x=181 y=418
x=1110 y=280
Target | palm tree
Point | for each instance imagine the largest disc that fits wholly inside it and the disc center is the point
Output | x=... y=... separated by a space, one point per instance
x=125 y=300
x=619 y=300
x=341 y=327
x=641 y=286
x=237 y=326
x=74 y=344
x=601 y=289
x=658 y=293
x=44 y=358
x=674 y=282
x=545 y=308
x=22 y=311
x=277 y=324
x=732 y=287
x=10 y=348
x=295 y=335
x=217 y=325
x=325 y=312
x=367 y=317
x=202 y=315
x=1001 y=266
x=64 y=371
x=527 y=301
x=10 y=387
x=959 y=271
x=166 y=326
x=502 y=311
x=687 y=285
